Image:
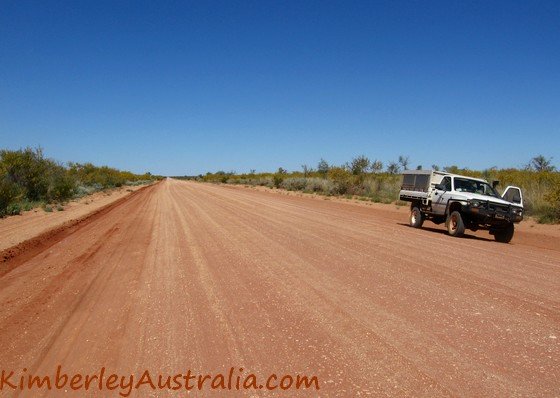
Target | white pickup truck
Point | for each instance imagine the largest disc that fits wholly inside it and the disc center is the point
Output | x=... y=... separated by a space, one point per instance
x=461 y=202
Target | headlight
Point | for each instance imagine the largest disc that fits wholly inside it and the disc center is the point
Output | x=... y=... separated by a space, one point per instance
x=475 y=203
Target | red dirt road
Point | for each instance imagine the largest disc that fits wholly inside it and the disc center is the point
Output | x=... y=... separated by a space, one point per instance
x=194 y=276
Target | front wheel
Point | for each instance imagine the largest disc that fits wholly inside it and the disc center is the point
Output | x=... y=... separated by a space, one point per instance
x=504 y=235
x=455 y=224
x=416 y=218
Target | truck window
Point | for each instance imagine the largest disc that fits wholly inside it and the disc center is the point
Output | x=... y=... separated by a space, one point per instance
x=446 y=183
x=464 y=185
x=474 y=186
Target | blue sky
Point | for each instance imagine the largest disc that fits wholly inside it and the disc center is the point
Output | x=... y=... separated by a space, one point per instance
x=188 y=87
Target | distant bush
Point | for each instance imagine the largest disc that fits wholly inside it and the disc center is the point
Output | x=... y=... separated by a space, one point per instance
x=13 y=209
x=335 y=181
x=137 y=182
x=8 y=193
x=551 y=214
x=29 y=170
x=277 y=180
x=62 y=187
x=105 y=177
x=293 y=184
x=320 y=185
x=27 y=205
x=83 y=190
x=342 y=179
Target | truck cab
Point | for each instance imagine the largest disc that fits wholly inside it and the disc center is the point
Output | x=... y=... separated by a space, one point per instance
x=461 y=202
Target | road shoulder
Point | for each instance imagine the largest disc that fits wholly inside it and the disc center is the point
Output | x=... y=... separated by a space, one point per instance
x=23 y=236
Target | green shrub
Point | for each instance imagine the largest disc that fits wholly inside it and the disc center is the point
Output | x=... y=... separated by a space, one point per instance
x=293 y=184
x=13 y=209
x=277 y=180
x=27 y=205
x=550 y=213
x=547 y=215
x=62 y=187
x=359 y=165
x=341 y=177
x=320 y=185
x=8 y=193
x=29 y=170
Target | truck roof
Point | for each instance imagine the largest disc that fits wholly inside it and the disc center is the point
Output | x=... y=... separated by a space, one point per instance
x=443 y=173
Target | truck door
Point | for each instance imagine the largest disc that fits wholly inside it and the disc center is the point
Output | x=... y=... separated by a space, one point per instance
x=514 y=195
x=441 y=195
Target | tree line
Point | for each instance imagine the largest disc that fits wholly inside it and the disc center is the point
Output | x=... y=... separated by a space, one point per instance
x=373 y=180
x=29 y=179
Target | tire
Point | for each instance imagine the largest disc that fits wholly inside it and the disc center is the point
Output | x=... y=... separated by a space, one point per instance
x=504 y=235
x=455 y=224
x=416 y=218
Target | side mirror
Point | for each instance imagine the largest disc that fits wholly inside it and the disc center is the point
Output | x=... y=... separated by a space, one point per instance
x=495 y=183
x=439 y=187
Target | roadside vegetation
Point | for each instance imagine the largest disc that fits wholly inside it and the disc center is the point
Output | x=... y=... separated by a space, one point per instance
x=28 y=179
x=375 y=181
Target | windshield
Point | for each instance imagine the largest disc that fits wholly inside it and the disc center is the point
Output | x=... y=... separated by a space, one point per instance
x=473 y=186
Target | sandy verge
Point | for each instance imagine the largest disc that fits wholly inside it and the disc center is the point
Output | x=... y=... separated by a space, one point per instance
x=17 y=229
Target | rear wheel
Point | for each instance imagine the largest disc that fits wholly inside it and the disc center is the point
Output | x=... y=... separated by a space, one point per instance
x=455 y=224
x=504 y=235
x=416 y=218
